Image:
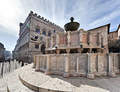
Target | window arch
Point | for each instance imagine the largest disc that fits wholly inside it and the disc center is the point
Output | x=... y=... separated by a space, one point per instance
x=37 y=29
x=49 y=33
x=44 y=32
x=54 y=31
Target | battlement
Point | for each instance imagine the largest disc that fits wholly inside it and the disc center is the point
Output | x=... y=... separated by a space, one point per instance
x=44 y=19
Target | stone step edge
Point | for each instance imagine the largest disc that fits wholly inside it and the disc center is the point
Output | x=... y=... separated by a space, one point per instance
x=8 y=89
x=39 y=89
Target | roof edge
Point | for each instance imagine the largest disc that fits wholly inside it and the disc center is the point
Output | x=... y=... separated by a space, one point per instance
x=102 y=26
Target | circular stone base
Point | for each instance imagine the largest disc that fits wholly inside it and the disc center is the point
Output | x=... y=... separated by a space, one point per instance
x=54 y=83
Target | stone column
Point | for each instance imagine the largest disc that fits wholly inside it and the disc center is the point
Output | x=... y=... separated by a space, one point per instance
x=90 y=50
x=58 y=51
x=68 y=37
x=57 y=62
x=81 y=35
x=110 y=65
x=48 y=65
x=80 y=50
x=66 y=73
x=90 y=38
x=68 y=51
x=57 y=39
x=38 y=58
x=89 y=67
x=34 y=65
x=51 y=51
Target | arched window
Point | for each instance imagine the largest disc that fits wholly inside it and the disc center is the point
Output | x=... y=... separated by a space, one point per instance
x=37 y=30
x=49 y=33
x=44 y=32
x=54 y=31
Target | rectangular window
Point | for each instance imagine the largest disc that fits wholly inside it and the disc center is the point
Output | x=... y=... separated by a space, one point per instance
x=36 y=46
x=44 y=32
x=112 y=36
x=49 y=34
x=37 y=30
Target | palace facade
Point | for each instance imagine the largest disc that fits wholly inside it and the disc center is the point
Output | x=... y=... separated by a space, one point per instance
x=37 y=27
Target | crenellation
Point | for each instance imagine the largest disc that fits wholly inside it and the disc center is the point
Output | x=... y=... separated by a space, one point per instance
x=31 y=12
x=46 y=20
x=42 y=18
x=35 y=14
x=39 y=16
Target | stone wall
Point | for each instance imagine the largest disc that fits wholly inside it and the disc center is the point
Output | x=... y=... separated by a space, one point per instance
x=90 y=64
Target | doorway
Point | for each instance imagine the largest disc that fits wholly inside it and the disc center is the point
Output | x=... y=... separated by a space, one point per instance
x=43 y=48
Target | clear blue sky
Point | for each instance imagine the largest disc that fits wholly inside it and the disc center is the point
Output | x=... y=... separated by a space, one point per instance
x=89 y=13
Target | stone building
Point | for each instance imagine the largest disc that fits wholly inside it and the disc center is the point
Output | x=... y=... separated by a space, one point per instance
x=113 y=40
x=34 y=26
x=2 y=52
x=7 y=54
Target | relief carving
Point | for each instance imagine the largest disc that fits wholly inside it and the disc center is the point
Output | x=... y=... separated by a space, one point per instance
x=61 y=62
x=102 y=61
x=63 y=39
x=53 y=62
x=74 y=39
x=82 y=63
x=73 y=61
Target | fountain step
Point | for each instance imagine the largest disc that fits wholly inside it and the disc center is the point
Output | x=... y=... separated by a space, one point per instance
x=55 y=83
x=14 y=84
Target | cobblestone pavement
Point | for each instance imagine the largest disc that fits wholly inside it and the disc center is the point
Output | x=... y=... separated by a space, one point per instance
x=57 y=83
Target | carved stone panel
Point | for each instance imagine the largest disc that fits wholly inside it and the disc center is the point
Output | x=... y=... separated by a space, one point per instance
x=61 y=63
x=74 y=39
x=72 y=63
x=116 y=62
x=85 y=38
x=63 y=39
x=53 y=63
x=102 y=63
x=94 y=40
x=82 y=63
